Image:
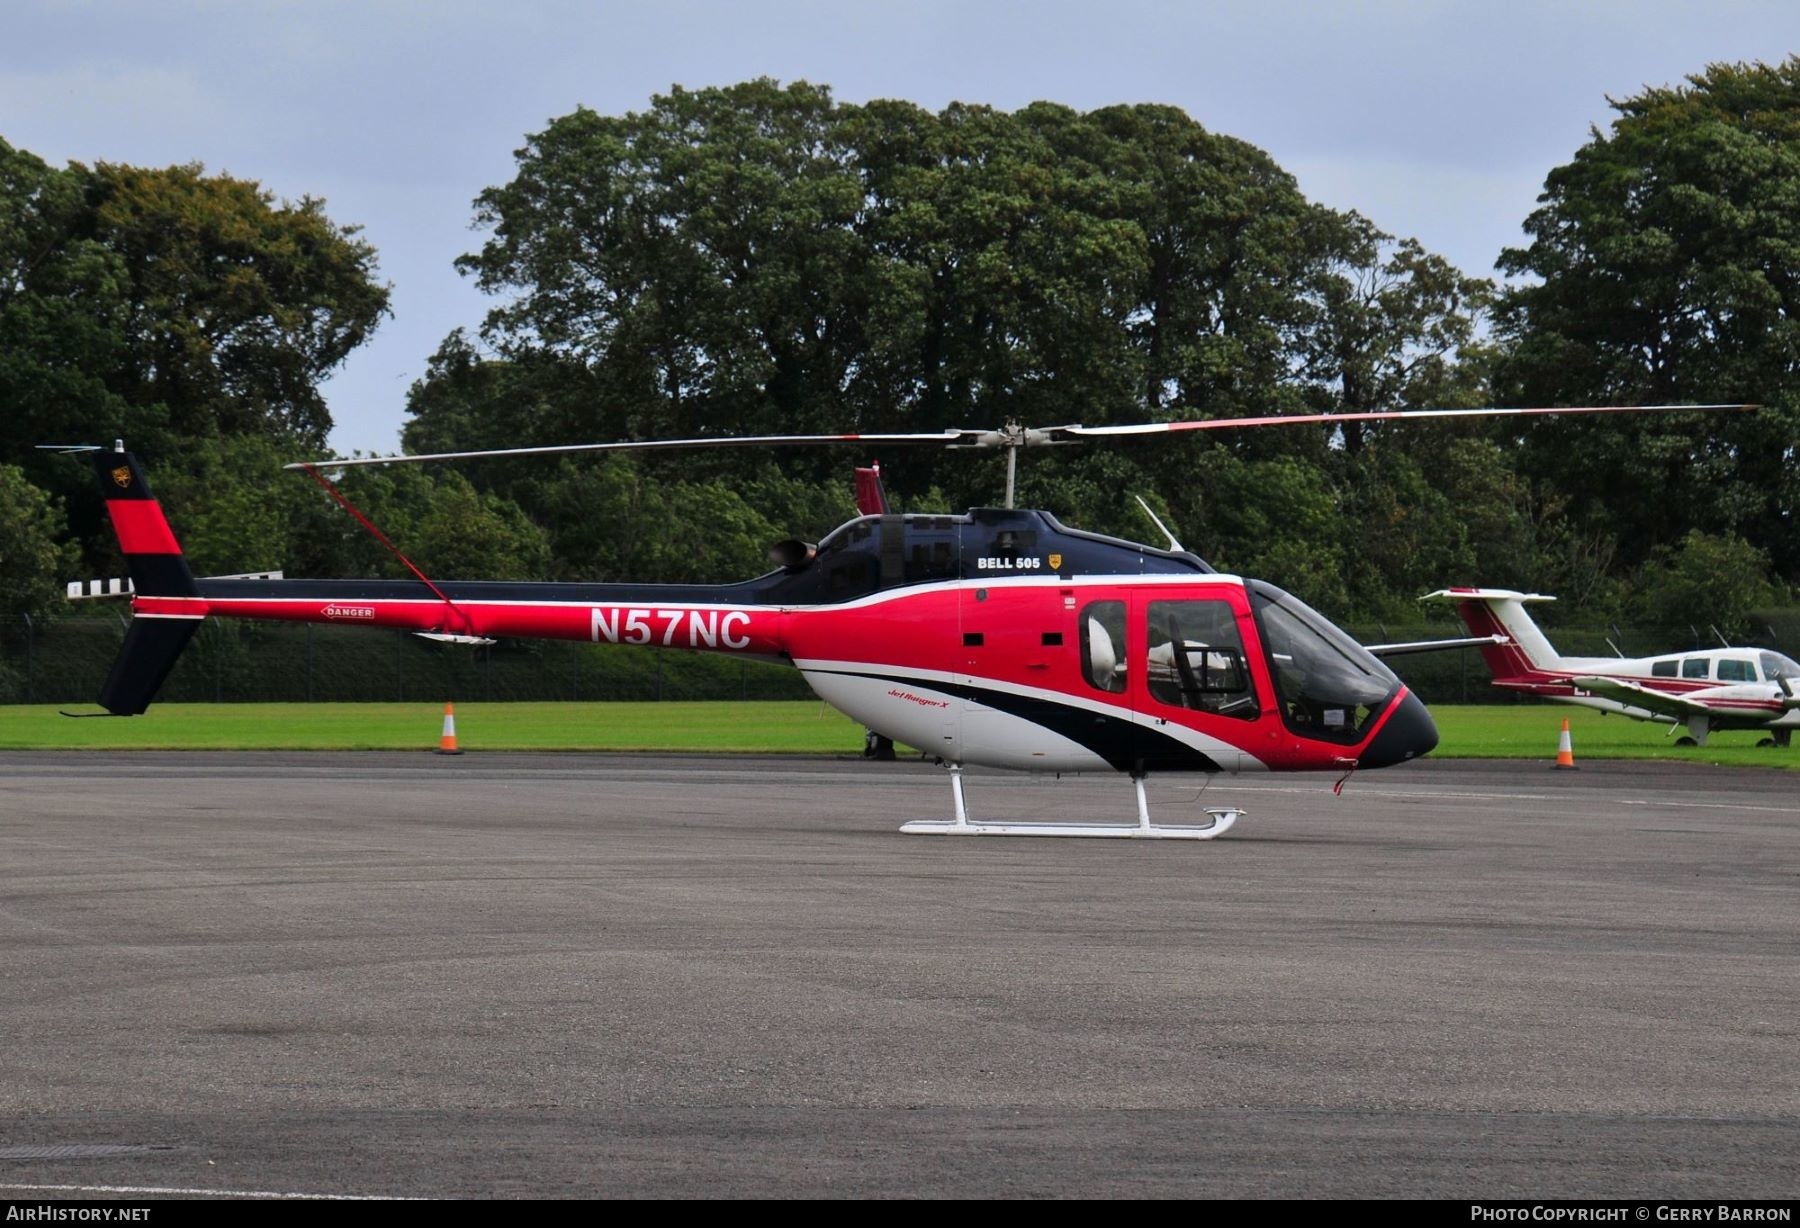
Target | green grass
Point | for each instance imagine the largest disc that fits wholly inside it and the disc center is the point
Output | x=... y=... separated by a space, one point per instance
x=1503 y=731
x=1529 y=731
x=793 y=727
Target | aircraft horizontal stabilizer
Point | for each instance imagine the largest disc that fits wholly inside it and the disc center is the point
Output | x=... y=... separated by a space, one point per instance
x=1400 y=650
x=1483 y=594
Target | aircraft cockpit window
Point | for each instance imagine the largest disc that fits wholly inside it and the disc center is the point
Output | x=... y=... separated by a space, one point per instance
x=1196 y=659
x=1327 y=685
x=1697 y=667
x=1103 y=645
x=1775 y=667
x=1665 y=669
x=1736 y=671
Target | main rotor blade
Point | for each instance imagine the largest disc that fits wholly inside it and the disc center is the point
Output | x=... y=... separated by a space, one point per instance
x=1071 y=433
x=962 y=438
x=1010 y=437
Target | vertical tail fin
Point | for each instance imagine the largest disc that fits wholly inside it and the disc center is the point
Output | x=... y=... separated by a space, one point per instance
x=153 y=556
x=151 y=552
x=871 y=499
x=1500 y=611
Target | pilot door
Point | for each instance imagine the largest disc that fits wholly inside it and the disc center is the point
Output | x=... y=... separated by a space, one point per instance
x=1192 y=678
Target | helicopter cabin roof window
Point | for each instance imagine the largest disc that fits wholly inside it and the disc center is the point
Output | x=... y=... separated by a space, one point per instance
x=1003 y=552
x=1736 y=671
x=1665 y=669
x=1012 y=542
x=1103 y=645
x=1697 y=667
x=848 y=560
x=930 y=555
x=1196 y=659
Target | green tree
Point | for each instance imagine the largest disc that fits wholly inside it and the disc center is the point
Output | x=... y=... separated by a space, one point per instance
x=1665 y=267
x=36 y=560
x=761 y=258
x=1705 y=580
x=1390 y=326
x=465 y=535
x=238 y=305
x=700 y=256
x=64 y=301
x=174 y=310
x=232 y=507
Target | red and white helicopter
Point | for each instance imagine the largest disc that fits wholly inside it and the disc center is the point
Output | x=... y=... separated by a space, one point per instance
x=1715 y=688
x=999 y=638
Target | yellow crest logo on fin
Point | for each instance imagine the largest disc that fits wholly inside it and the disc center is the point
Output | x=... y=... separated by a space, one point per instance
x=1056 y=562
x=122 y=475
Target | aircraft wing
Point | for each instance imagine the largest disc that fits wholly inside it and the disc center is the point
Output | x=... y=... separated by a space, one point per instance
x=1635 y=696
x=1399 y=650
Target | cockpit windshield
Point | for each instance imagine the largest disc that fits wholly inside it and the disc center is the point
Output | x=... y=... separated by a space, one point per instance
x=1776 y=667
x=1327 y=685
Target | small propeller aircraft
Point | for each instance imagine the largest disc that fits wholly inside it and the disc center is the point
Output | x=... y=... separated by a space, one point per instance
x=1000 y=637
x=1719 y=688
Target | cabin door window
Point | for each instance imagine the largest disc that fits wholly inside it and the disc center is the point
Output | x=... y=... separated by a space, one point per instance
x=1195 y=659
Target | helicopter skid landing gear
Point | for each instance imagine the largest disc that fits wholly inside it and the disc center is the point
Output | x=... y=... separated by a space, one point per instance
x=1223 y=817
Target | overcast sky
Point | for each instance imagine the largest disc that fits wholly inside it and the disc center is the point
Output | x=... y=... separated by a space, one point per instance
x=1437 y=120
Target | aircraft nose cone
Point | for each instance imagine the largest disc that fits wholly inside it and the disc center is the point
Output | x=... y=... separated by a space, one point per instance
x=1408 y=733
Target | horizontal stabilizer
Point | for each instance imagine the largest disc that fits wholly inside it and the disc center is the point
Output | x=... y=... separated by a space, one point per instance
x=1483 y=594
x=86 y=590
x=1400 y=650
x=115 y=587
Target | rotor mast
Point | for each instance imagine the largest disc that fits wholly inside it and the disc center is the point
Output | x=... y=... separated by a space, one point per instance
x=1012 y=465
x=1013 y=436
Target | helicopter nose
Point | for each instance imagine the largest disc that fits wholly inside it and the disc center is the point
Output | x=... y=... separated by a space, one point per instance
x=1408 y=733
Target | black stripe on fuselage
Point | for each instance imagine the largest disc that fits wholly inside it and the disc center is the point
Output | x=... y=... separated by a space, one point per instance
x=1125 y=745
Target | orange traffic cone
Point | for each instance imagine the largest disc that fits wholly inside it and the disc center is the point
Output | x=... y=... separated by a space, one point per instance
x=447 y=743
x=1565 y=750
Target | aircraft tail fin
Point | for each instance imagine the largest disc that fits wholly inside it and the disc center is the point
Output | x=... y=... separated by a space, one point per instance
x=151 y=647
x=871 y=499
x=1526 y=651
x=159 y=629
x=152 y=554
